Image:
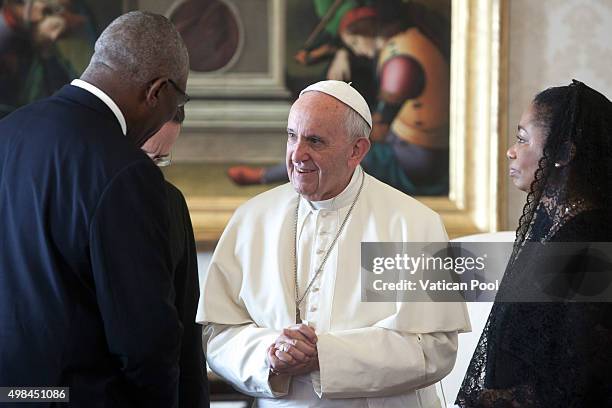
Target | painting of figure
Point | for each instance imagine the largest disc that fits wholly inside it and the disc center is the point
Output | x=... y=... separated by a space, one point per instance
x=397 y=54
x=315 y=49
x=44 y=44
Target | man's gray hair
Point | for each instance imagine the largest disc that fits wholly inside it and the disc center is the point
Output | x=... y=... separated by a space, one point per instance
x=355 y=125
x=142 y=46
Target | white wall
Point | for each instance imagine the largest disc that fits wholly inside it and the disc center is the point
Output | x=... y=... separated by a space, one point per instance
x=552 y=42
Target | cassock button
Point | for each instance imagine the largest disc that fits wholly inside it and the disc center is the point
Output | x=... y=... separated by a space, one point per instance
x=320 y=251
x=315 y=289
x=313 y=308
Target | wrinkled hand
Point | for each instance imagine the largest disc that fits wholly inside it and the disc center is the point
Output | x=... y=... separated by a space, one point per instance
x=294 y=352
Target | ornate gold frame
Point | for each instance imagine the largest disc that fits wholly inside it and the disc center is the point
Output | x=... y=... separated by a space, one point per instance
x=478 y=119
x=477 y=198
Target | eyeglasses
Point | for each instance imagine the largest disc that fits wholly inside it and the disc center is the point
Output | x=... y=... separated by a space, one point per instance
x=163 y=160
x=184 y=97
x=179 y=117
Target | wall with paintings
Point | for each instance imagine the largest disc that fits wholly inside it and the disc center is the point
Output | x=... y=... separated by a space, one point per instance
x=243 y=85
x=552 y=42
x=46 y=44
x=399 y=58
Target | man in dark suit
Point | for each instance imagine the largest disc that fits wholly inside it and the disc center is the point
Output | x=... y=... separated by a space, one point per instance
x=193 y=382
x=86 y=283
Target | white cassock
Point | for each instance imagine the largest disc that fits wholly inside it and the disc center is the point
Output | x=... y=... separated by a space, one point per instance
x=371 y=354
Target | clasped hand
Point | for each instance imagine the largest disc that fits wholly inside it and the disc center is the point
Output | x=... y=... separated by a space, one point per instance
x=294 y=352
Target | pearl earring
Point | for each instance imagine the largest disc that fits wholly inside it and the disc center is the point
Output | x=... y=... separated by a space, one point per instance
x=557 y=165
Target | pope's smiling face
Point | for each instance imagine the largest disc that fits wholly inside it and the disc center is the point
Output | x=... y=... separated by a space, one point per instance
x=320 y=153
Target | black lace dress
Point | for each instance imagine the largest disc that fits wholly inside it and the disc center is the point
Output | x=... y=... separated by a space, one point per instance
x=553 y=354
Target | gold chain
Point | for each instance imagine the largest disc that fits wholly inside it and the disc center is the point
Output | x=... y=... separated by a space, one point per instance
x=298 y=299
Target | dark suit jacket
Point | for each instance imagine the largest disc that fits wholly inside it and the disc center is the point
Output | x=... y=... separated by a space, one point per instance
x=86 y=288
x=193 y=383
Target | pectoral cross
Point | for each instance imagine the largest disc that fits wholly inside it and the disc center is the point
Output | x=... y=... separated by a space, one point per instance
x=298 y=318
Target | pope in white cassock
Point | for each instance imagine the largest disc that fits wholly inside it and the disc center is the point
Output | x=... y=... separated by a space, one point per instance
x=281 y=301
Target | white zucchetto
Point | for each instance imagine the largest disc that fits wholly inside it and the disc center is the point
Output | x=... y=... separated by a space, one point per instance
x=346 y=94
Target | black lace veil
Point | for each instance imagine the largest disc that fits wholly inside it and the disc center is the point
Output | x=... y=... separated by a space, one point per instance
x=542 y=355
x=578 y=120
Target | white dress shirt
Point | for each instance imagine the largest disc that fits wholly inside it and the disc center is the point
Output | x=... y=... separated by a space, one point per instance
x=104 y=98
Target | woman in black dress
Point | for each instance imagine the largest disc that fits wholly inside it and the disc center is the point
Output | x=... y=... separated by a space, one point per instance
x=539 y=347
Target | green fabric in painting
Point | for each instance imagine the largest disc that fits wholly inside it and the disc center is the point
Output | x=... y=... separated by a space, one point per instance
x=41 y=81
x=380 y=162
x=321 y=7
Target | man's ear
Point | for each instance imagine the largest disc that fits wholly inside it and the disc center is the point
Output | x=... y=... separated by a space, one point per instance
x=153 y=90
x=361 y=147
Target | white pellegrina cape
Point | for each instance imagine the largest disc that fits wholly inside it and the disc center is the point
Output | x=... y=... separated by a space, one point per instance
x=371 y=354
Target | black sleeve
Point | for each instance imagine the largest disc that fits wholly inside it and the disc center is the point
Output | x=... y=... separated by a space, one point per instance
x=193 y=384
x=131 y=264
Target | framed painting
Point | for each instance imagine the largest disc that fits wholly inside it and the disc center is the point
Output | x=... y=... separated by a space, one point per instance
x=267 y=50
x=44 y=44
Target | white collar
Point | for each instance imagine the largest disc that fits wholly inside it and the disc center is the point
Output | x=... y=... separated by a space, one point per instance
x=104 y=98
x=343 y=199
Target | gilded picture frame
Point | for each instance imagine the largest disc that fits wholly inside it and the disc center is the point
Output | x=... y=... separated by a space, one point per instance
x=476 y=201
